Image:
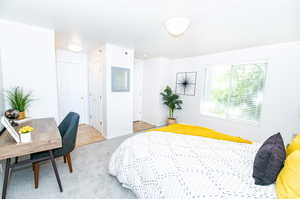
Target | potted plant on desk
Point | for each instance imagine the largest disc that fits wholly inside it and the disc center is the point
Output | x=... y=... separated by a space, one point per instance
x=25 y=134
x=19 y=100
x=172 y=101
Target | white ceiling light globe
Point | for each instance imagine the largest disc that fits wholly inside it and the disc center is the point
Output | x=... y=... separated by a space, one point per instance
x=176 y=26
x=75 y=47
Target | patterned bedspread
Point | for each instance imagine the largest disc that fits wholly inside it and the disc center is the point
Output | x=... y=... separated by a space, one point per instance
x=160 y=165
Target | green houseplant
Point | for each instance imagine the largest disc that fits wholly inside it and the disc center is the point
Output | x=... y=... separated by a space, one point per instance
x=172 y=101
x=19 y=100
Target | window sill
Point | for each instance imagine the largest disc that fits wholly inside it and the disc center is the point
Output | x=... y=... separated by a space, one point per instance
x=241 y=122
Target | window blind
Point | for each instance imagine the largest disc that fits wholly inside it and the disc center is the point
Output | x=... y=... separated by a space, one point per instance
x=234 y=91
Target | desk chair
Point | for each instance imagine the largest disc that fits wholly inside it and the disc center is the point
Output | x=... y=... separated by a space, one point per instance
x=68 y=129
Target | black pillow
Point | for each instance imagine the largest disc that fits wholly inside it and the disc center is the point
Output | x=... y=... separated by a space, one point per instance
x=269 y=160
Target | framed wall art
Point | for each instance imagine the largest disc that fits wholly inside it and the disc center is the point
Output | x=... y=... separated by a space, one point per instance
x=186 y=83
x=120 y=79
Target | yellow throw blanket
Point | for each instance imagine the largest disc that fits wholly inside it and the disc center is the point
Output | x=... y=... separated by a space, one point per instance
x=200 y=131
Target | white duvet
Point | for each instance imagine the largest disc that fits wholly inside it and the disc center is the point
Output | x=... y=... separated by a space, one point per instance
x=159 y=165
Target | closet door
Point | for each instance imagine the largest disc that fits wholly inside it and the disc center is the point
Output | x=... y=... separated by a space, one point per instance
x=96 y=61
x=72 y=84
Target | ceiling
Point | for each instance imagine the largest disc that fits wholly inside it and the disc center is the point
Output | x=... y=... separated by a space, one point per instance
x=216 y=25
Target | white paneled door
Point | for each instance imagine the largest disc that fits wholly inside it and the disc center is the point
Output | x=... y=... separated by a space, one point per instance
x=96 y=90
x=72 y=84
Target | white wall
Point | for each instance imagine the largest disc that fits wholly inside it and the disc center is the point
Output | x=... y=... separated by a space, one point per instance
x=281 y=105
x=137 y=90
x=118 y=106
x=2 y=108
x=28 y=60
x=155 y=78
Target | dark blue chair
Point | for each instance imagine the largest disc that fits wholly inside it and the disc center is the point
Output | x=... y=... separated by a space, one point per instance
x=68 y=129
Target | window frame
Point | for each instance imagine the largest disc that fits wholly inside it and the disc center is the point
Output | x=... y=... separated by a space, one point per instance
x=227 y=118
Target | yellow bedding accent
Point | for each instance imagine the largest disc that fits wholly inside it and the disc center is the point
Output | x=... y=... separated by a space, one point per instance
x=287 y=182
x=200 y=131
x=293 y=146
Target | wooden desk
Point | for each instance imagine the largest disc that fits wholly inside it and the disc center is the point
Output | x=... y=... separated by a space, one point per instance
x=45 y=137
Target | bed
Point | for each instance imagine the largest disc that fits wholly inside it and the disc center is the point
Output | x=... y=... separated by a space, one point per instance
x=162 y=165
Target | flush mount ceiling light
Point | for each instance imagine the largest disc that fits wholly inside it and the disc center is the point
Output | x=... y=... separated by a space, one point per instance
x=75 y=47
x=176 y=26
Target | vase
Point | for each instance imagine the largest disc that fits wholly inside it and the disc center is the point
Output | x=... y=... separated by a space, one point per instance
x=22 y=115
x=25 y=137
x=171 y=121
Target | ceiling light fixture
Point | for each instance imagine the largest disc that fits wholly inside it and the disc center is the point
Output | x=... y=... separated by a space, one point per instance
x=75 y=47
x=176 y=26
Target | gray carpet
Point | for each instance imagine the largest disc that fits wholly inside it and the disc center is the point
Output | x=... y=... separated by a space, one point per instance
x=89 y=180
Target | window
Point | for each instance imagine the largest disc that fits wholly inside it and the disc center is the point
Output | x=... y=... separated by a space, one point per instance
x=234 y=91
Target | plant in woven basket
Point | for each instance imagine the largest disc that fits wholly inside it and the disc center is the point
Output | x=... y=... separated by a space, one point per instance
x=19 y=100
x=172 y=101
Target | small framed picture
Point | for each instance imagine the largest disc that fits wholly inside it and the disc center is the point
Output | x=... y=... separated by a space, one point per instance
x=11 y=130
x=120 y=79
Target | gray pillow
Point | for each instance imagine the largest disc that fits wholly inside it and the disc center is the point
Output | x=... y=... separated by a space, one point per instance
x=275 y=139
x=269 y=160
